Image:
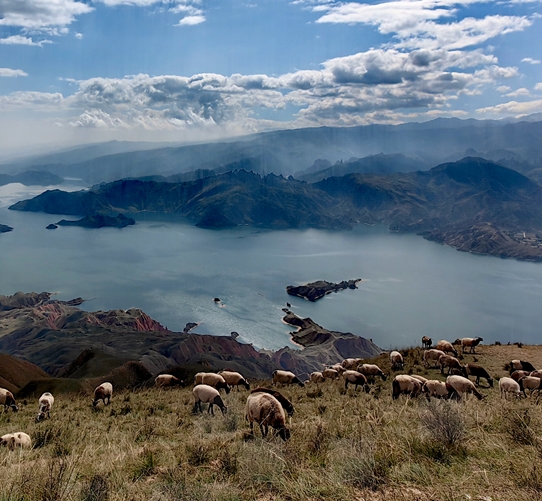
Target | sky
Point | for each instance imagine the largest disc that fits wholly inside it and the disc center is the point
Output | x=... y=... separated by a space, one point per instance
x=73 y=72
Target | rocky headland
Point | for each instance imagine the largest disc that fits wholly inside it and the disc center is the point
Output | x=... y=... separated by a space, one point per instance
x=100 y=221
x=316 y=290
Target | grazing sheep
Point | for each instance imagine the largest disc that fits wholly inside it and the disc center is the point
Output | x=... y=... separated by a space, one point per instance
x=521 y=365
x=371 y=371
x=203 y=393
x=432 y=355
x=446 y=347
x=286 y=404
x=478 y=372
x=407 y=385
x=419 y=378
x=286 y=377
x=18 y=439
x=470 y=342
x=45 y=403
x=351 y=363
x=235 y=379
x=396 y=359
x=356 y=378
x=164 y=380
x=508 y=385
x=437 y=389
x=317 y=377
x=267 y=411
x=103 y=392
x=531 y=383
x=536 y=374
x=338 y=367
x=463 y=385
x=426 y=342
x=330 y=373
x=8 y=400
x=212 y=379
x=451 y=363
x=517 y=375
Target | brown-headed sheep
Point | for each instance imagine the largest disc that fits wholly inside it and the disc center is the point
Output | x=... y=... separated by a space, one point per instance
x=397 y=361
x=371 y=371
x=451 y=363
x=432 y=355
x=212 y=379
x=330 y=373
x=267 y=411
x=17 y=439
x=530 y=383
x=104 y=392
x=286 y=404
x=316 y=377
x=45 y=404
x=165 y=380
x=478 y=372
x=517 y=375
x=508 y=385
x=357 y=379
x=521 y=365
x=8 y=400
x=235 y=379
x=446 y=347
x=285 y=377
x=463 y=385
x=537 y=373
x=407 y=385
x=203 y=393
x=426 y=342
x=471 y=343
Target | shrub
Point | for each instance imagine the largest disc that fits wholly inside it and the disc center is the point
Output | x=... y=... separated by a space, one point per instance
x=443 y=422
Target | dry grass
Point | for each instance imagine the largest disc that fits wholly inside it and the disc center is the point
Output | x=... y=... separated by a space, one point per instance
x=147 y=445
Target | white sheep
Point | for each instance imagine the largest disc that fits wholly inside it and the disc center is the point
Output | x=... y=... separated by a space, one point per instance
x=17 y=439
x=164 y=380
x=357 y=379
x=338 y=367
x=470 y=342
x=446 y=347
x=436 y=389
x=8 y=400
x=285 y=377
x=266 y=410
x=234 y=379
x=104 y=392
x=203 y=393
x=463 y=385
x=317 y=377
x=508 y=385
x=396 y=359
x=405 y=384
x=371 y=371
x=431 y=355
x=212 y=379
x=351 y=363
x=419 y=378
x=45 y=404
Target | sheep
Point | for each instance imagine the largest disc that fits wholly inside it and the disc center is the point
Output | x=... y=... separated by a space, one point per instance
x=316 y=377
x=212 y=379
x=371 y=371
x=285 y=377
x=517 y=375
x=330 y=373
x=463 y=385
x=508 y=385
x=45 y=403
x=203 y=393
x=437 y=389
x=419 y=378
x=470 y=342
x=357 y=379
x=531 y=383
x=478 y=371
x=338 y=367
x=451 y=363
x=521 y=365
x=103 y=392
x=351 y=363
x=536 y=374
x=407 y=385
x=267 y=411
x=163 y=380
x=8 y=400
x=426 y=342
x=17 y=439
x=396 y=359
x=446 y=347
x=286 y=404
x=234 y=379
x=431 y=355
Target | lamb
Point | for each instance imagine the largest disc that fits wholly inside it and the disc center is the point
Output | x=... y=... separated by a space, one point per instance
x=426 y=342
x=451 y=363
x=234 y=379
x=437 y=389
x=286 y=404
x=267 y=411
x=371 y=370
x=8 y=400
x=212 y=379
x=357 y=379
x=18 y=439
x=285 y=377
x=203 y=393
x=396 y=359
x=478 y=371
x=164 y=380
x=404 y=384
x=45 y=403
x=463 y=385
x=351 y=363
x=531 y=383
x=517 y=375
x=317 y=377
x=330 y=373
x=470 y=342
x=508 y=385
x=446 y=347
x=103 y=392
x=521 y=365
x=431 y=355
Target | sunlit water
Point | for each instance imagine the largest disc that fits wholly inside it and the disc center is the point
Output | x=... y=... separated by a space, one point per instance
x=173 y=271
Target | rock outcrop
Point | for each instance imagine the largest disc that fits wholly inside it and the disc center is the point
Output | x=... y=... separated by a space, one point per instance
x=316 y=290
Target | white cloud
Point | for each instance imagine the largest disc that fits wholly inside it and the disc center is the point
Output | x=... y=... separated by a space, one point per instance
x=538 y=87
x=519 y=93
x=33 y=101
x=191 y=20
x=79 y=36
x=8 y=72
x=503 y=88
x=21 y=40
x=530 y=60
x=513 y=108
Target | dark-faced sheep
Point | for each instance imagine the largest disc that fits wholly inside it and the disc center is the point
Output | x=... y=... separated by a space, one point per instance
x=316 y=377
x=451 y=363
x=463 y=385
x=471 y=343
x=530 y=383
x=8 y=400
x=236 y=379
x=104 y=392
x=508 y=385
x=521 y=365
x=406 y=385
x=426 y=342
x=330 y=373
x=267 y=411
x=517 y=375
x=478 y=372
x=17 y=439
x=45 y=404
x=285 y=377
x=357 y=379
x=286 y=404
x=446 y=347
x=396 y=360
x=165 y=380
x=203 y=393
x=430 y=357
x=212 y=379
x=370 y=371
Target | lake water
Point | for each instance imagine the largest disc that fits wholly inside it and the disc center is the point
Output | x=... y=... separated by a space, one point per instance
x=173 y=271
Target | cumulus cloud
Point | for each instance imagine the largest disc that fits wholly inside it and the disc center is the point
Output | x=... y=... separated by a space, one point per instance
x=513 y=108
x=8 y=72
x=191 y=20
x=21 y=40
x=519 y=93
x=530 y=60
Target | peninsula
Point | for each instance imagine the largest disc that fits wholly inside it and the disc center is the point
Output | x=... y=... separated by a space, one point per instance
x=316 y=290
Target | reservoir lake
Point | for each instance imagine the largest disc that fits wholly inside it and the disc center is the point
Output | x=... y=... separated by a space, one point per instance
x=173 y=271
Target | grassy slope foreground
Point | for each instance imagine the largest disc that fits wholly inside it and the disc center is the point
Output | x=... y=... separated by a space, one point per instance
x=345 y=445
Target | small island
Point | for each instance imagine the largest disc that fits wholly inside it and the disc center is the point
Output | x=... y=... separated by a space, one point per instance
x=318 y=289
x=99 y=221
x=5 y=228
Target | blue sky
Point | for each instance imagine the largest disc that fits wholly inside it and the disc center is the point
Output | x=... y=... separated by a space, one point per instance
x=83 y=71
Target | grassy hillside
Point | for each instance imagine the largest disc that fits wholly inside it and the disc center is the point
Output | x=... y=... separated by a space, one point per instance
x=344 y=445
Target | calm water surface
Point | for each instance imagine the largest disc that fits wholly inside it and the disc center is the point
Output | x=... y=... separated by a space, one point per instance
x=172 y=271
